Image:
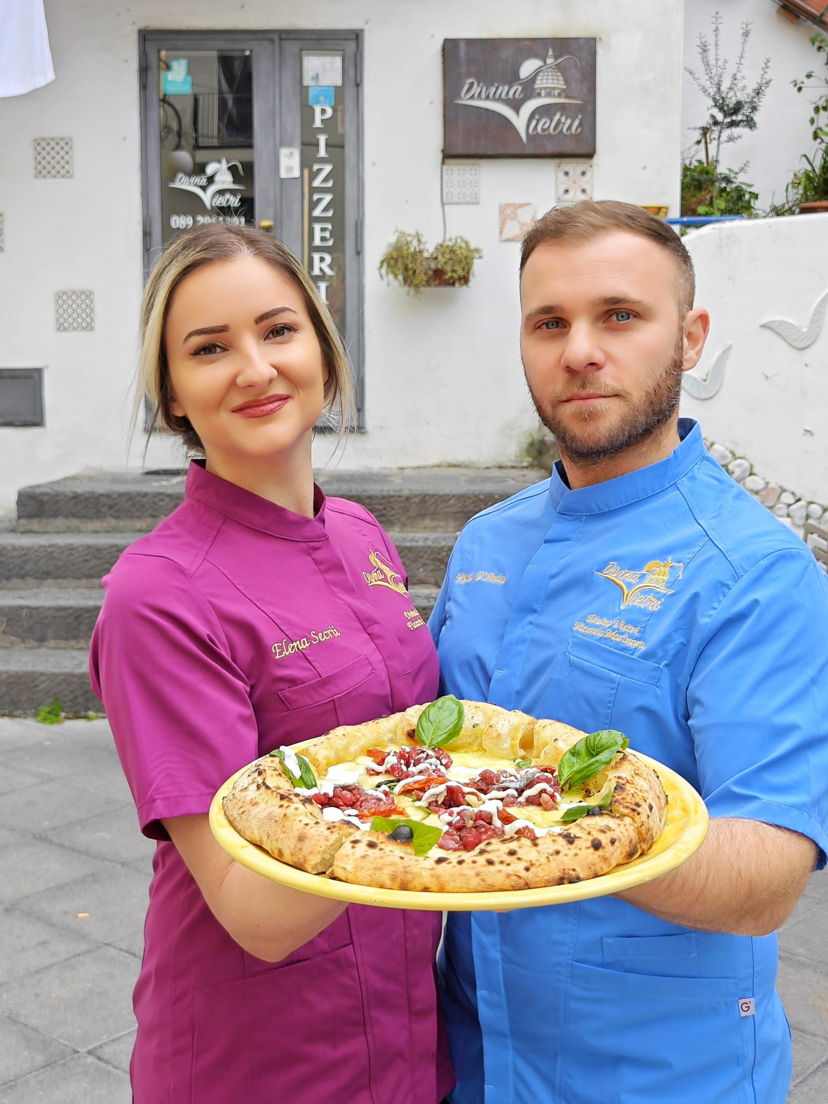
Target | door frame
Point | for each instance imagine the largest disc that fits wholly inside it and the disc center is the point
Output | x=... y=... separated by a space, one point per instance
x=276 y=71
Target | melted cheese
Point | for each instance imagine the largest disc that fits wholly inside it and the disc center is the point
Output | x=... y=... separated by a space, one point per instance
x=465 y=766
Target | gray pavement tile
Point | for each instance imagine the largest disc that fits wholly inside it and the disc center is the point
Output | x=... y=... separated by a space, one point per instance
x=15 y=778
x=806 y=937
x=813 y=1089
x=111 y=835
x=8 y=837
x=32 y=865
x=63 y=754
x=107 y=907
x=28 y=944
x=804 y=993
x=24 y=1050
x=51 y=804
x=83 y=1001
x=80 y=1079
x=18 y=732
x=117 y=1052
x=809 y=1052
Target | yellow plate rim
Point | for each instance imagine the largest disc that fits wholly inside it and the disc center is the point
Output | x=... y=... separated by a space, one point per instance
x=684 y=832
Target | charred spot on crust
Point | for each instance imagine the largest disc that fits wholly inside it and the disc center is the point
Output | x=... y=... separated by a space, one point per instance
x=460 y=862
x=596 y=845
x=411 y=734
x=371 y=843
x=441 y=859
x=511 y=851
x=568 y=837
x=490 y=862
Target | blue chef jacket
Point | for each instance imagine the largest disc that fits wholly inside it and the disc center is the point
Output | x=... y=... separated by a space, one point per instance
x=669 y=604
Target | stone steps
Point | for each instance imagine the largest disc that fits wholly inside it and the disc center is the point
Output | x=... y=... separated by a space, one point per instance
x=69 y=533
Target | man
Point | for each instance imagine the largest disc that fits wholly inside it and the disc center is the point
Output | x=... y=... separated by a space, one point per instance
x=641 y=589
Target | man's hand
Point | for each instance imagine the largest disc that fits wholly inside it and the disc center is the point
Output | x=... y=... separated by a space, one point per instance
x=745 y=879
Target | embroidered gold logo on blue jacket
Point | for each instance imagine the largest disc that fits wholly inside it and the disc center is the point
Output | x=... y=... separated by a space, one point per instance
x=642 y=588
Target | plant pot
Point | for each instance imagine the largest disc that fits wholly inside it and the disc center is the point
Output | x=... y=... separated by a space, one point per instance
x=812 y=206
x=439 y=280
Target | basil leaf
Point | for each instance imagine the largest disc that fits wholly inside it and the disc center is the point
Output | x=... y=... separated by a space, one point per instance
x=440 y=722
x=423 y=838
x=522 y=764
x=578 y=811
x=589 y=756
x=306 y=779
x=389 y=784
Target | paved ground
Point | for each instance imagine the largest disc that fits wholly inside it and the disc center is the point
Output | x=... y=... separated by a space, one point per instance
x=73 y=881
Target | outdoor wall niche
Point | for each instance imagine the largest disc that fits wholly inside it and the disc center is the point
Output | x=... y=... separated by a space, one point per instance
x=519 y=97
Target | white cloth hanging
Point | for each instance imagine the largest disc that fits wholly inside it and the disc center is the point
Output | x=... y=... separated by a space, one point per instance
x=25 y=57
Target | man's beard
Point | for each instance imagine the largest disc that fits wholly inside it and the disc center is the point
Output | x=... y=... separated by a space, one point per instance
x=639 y=422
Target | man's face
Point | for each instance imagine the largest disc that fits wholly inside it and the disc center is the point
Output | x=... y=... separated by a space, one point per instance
x=604 y=346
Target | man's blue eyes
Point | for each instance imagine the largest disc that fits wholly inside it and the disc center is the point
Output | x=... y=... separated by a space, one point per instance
x=554 y=324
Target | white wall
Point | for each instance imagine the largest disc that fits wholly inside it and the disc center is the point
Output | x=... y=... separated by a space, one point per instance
x=772 y=405
x=773 y=150
x=443 y=380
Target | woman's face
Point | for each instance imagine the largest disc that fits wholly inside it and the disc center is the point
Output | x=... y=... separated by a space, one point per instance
x=245 y=365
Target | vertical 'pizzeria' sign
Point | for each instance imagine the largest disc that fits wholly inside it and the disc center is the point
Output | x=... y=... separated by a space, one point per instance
x=519 y=97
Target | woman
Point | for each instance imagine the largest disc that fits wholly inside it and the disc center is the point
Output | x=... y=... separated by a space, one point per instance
x=245 y=621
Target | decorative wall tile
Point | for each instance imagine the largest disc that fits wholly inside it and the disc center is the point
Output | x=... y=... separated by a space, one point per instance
x=461 y=183
x=74 y=310
x=515 y=220
x=573 y=181
x=53 y=158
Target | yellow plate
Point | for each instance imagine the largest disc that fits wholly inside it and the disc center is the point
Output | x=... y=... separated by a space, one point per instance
x=684 y=832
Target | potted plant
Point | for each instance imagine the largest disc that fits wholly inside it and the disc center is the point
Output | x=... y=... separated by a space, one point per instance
x=707 y=187
x=808 y=188
x=410 y=262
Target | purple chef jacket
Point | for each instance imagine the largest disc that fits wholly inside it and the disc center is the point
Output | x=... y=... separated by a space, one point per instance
x=234 y=627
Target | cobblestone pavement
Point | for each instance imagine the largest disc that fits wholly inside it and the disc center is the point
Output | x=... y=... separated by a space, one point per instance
x=73 y=882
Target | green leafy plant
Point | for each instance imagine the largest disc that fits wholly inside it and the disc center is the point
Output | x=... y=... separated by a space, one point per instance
x=410 y=262
x=706 y=190
x=732 y=106
x=811 y=181
x=51 y=713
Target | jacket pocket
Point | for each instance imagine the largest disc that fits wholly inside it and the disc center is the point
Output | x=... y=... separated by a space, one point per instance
x=292 y=1033
x=633 y=1035
x=329 y=686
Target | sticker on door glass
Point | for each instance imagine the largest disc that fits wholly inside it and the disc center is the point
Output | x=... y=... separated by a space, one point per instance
x=321 y=94
x=322 y=69
x=176 y=79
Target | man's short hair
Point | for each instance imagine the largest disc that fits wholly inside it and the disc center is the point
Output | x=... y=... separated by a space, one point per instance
x=591 y=218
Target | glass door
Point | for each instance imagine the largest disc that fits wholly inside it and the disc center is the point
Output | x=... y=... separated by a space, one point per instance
x=264 y=130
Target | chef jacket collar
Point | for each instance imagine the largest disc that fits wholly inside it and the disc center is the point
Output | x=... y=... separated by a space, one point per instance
x=635 y=485
x=251 y=509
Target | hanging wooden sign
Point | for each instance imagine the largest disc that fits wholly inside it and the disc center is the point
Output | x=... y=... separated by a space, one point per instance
x=519 y=97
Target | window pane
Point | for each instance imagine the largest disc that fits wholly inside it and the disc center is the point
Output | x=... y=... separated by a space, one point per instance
x=206 y=124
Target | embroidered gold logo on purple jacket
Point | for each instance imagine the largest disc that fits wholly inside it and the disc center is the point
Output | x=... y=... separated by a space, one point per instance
x=384 y=574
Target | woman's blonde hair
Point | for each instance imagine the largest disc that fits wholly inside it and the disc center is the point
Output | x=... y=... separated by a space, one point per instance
x=218 y=241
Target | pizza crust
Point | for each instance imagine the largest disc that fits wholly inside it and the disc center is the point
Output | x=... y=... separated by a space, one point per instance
x=558 y=858
x=264 y=808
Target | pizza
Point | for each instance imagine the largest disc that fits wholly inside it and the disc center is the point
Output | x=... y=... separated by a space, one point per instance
x=452 y=796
